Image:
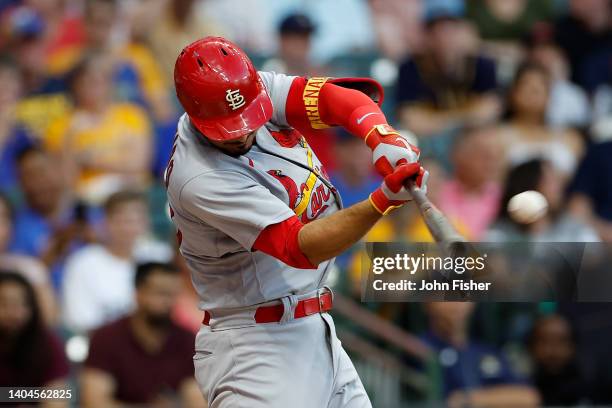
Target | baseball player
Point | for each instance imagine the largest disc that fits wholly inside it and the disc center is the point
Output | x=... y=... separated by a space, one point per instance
x=259 y=223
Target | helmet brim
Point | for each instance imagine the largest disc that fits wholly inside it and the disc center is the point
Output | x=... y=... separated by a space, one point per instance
x=252 y=117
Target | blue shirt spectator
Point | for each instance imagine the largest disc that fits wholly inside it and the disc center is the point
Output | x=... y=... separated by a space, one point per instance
x=447 y=86
x=418 y=83
x=17 y=141
x=472 y=366
x=49 y=224
x=472 y=374
x=594 y=179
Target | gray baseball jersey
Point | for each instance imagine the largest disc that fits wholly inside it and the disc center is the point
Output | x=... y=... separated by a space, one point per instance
x=220 y=204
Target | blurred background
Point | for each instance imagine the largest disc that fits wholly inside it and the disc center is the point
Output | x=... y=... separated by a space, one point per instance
x=503 y=96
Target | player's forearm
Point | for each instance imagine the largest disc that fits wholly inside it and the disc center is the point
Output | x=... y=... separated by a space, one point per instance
x=328 y=237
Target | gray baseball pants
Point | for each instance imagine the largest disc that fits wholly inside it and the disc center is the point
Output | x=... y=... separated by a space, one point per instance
x=291 y=364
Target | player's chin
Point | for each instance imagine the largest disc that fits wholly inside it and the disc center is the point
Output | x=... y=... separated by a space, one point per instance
x=239 y=150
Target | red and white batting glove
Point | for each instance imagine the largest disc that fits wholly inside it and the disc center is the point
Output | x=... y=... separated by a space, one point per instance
x=390 y=149
x=392 y=193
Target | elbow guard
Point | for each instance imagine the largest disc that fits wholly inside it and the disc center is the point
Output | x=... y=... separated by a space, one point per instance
x=281 y=241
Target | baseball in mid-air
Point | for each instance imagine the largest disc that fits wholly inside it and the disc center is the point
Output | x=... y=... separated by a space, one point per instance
x=527 y=207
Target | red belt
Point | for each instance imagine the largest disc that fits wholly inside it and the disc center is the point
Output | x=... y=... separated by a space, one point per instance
x=305 y=307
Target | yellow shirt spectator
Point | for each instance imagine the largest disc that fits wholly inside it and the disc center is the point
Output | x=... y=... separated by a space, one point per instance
x=106 y=151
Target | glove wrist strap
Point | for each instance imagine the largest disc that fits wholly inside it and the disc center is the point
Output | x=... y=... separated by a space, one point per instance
x=382 y=204
x=373 y=137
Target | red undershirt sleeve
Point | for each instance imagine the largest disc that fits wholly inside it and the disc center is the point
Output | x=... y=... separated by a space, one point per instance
x=280 y=240
x=331 y=105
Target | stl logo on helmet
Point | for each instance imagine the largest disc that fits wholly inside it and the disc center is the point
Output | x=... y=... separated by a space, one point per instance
x=234 y=99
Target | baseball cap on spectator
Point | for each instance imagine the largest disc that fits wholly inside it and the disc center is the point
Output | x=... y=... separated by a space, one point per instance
x=296 y=24
x=443 y=10
x=22 y=23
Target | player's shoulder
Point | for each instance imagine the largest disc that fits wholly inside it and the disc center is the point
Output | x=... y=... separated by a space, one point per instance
x=274 y=81
x=198 y=168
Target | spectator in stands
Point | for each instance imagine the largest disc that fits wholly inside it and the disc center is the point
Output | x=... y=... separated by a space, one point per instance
x=398 y=27
x=50 y=224
x=448 y=85
x=473 y=374
x=31 y=268
x=44 y=97
x=601 y=125
x=294 y=48
x=144 y=358
x=525 y=134
x=153 y=34
x=511 y=21
x=180 y=24
x=556 y=226
x=503 y=25
x=97 y=286
x=596 y=70
x=64 y=30
x=30 y=354
x=137 y=76
x=557 y=373
x=568 y=104
x=13 y=138
x=474 y=191
x=104 y=146
x=591 y=190
x=343 y=26
x=585 y=31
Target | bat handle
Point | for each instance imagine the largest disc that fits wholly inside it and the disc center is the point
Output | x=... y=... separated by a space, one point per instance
x=419 y=197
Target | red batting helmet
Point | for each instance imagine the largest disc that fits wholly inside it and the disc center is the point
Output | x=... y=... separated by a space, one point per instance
x=220 y=90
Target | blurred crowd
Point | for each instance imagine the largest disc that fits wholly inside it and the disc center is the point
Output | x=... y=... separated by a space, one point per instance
x=501 y=96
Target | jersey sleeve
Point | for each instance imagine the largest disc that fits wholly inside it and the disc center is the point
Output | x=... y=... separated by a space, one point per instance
x=278 y=86
x=234 y=204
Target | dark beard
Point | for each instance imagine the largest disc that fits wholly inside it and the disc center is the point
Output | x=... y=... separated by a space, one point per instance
x=159 y=321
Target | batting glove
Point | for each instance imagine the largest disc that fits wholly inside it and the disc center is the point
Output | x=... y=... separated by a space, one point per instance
x=392 y=193
x=390 y=149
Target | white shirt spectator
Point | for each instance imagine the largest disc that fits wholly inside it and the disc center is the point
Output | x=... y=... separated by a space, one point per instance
x=98 y=286
x=568 y=105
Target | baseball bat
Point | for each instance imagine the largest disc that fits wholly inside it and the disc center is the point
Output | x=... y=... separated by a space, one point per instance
x=438 y=225
x=442 y=231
